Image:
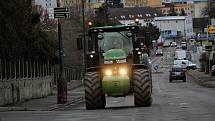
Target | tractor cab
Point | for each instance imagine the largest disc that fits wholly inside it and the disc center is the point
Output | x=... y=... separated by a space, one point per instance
x=110 y=44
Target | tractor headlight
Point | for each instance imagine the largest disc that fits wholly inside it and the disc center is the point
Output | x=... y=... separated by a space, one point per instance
x=108 y=72
x=123 y=71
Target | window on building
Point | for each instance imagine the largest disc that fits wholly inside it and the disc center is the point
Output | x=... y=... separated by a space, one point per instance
x=176 y=21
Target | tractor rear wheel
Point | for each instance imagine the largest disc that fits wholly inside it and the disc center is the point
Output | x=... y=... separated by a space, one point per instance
x=94 y=95
x=142 y=88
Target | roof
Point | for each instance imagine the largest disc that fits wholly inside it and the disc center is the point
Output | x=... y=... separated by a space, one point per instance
x=134 y=12
x=170 y=18
x=114 y=28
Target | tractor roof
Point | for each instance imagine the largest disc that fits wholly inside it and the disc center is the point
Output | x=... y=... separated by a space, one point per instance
x=114 y=28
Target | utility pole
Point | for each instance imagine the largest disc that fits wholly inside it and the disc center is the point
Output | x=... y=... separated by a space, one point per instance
x=84 y=33
x=61 y=82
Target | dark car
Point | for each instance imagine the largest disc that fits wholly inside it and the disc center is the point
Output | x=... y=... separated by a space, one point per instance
x=177 y=73
x=184 y=45
x=159 y=52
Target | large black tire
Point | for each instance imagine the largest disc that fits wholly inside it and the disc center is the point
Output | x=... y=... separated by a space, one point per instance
x=142 y=88
x=94 y=95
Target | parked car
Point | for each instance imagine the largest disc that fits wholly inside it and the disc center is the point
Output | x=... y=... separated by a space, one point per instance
x=166 y=44
x=159 y=52
x=173 y=44
x=178 y=47
x=177 y=73
x=192 y=41
x=213 y=70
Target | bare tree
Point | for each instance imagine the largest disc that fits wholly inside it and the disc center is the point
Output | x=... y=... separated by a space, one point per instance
x=209 y=10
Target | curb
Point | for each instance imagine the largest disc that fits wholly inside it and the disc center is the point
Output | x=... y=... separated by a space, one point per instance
x=201 y=82
x=64 y=106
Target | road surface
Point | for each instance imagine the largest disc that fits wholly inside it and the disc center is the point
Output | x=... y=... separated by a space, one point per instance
x=176 y=101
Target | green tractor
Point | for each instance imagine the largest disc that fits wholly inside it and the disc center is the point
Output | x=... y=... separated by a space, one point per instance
x=116 y=65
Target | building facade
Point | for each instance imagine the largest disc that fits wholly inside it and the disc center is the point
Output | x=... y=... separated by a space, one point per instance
x=175 y=26
x=191 y=9
x=141 y=3
x=188 y=9
x=184 y=1
x=45 y=3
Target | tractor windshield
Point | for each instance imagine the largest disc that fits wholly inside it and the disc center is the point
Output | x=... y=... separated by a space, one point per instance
x=115 y=40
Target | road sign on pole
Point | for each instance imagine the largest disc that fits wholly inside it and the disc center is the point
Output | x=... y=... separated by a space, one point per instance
x=51 y=13
x=208 y=46
x=211 y=29
x=61 y=12
x=61 y=82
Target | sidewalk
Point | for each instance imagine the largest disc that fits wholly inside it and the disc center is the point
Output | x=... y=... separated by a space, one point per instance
x=49 y=103
x=203 y=79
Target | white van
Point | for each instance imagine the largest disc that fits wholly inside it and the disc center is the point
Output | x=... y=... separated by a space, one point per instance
x=180 y=55
x=185 y=64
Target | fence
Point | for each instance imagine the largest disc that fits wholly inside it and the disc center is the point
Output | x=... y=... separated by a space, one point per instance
x=70 y=73
x=21 y=68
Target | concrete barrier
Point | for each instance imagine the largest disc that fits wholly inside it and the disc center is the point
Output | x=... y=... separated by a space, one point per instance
x=22 y=89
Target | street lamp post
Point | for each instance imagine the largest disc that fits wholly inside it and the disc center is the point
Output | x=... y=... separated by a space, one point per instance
x=61 y=82
x=84 y=32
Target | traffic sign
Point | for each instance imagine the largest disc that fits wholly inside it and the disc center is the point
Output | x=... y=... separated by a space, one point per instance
x=211 y=29
x=156 y=67
x=51 y=13
x=61 y=12
x=208 y=46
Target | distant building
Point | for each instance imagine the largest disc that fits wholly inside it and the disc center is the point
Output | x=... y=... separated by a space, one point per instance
x=191 y=9
x=184 y=1
x=141 y=3
x=175 y=26
x=198 y=8
x=127 y=16
x=154 y=3
x=45 y=3
x=188 y=9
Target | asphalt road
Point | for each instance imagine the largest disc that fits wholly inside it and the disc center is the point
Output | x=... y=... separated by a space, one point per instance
x=176 y=101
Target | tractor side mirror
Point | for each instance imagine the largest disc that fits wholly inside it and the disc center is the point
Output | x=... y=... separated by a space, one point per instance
x=79 y=43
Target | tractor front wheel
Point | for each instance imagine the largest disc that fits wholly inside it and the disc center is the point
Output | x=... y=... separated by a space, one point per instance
x=94 y=95
x=142 y=88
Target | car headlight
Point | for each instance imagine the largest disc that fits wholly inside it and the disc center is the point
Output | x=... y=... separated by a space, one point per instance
x=108 y=72
x=123 y=71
